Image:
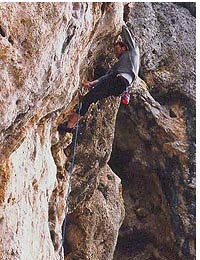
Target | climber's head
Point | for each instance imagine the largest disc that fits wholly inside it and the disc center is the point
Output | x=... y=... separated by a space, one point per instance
x=120 y=48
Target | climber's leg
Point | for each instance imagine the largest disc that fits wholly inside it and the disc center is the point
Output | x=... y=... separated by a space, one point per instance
x=113 y=86
x=99 y=92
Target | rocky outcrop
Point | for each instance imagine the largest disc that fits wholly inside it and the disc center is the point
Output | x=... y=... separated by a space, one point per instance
x=191 y=6
x=46 y=50
x=96 y=199
x=95 y=202
x=154 y=145
x=166 y=36
x=151 y=157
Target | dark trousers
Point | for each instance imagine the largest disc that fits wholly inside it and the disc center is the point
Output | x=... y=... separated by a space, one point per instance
x=111 y=86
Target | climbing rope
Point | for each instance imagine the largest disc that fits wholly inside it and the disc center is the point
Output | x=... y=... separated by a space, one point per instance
x=70 y=179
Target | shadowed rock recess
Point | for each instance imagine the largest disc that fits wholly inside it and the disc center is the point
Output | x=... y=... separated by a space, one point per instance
x=132 y=194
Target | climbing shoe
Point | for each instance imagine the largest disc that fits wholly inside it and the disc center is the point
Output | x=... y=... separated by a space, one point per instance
x=62 y=129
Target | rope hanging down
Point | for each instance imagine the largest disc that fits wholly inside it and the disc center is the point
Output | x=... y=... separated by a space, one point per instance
x=70 y=179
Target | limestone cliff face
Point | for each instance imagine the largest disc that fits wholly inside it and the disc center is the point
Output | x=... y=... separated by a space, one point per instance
x=46 y=49
x=155 y=153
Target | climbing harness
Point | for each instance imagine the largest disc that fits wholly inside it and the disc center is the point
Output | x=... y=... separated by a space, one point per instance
x=70 y=179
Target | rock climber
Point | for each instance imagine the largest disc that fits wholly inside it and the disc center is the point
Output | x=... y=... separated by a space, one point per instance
x=114 y=82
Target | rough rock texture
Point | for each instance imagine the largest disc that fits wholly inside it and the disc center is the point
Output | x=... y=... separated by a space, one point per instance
x=151 y=157
x=96 y=207
x=46 y=50
x=166 y=36
x=154 y=146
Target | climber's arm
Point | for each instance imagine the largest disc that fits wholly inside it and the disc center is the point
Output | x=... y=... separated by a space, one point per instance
x=94 y=82
x=127 y=37
x=89 y=83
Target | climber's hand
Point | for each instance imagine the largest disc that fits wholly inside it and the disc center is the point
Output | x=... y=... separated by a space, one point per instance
x=87 y=83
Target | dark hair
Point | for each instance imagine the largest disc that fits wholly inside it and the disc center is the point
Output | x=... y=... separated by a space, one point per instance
x=121 y=44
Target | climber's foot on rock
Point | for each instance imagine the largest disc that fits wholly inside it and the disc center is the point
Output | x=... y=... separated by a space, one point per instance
x=68 y=127
x=63 y=128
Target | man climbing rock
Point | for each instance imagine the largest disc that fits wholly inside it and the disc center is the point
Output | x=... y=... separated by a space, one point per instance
x=114 y=82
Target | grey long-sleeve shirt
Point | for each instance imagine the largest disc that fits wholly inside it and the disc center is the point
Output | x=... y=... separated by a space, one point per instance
x=129 y=62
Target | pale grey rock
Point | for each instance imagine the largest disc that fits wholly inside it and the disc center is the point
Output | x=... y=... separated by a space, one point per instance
x=166 y=36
